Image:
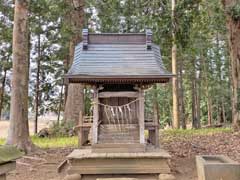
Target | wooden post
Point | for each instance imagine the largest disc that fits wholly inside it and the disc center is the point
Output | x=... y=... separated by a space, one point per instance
x=80 y=131
x=95 y=117
x=156 y=119
x=157 y=137
x=141 y=116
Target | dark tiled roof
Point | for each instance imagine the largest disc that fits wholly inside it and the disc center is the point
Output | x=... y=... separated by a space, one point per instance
x=130 y=60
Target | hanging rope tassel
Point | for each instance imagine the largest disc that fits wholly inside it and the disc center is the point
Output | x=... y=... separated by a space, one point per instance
x=125 y=113
x=119 y=115
x=113 y=116
x=106 y=112
x=129 y=113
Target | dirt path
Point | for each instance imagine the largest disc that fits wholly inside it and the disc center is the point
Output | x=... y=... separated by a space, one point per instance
x=40 y=166
x=183 y=151
x=40 y=169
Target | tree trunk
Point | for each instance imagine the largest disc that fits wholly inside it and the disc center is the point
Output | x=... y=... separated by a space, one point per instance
x=181 y=97
x=175 y=123
x=198 y=95
x=195 y=99
x=220 y=64
x=206 y=79
x=223 y=112
x=2 y=91
x=233 y=25
x=37 y=85
x=60 y=105
x=209 y=105
x=18 y=134
x=194 y=118
x=75 y=94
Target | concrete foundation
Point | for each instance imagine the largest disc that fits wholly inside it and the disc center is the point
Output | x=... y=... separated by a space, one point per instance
x=217 y=167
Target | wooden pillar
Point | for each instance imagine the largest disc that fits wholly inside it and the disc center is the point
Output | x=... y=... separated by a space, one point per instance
x=80 y=131
x=141 y=116
x=156 y=122
x=157 y=145
x=95 y=117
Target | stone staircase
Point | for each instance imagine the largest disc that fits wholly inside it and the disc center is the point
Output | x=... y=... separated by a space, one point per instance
x=118 y=138
x=119 y=134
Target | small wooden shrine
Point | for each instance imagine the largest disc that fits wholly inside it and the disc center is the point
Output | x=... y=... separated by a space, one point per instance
x=118 y=68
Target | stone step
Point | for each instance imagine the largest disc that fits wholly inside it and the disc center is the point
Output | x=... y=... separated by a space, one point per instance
x=114 y=136
x=118 y=147
x=118 y=136
x=129 y=138
x=117 y=179
x=118 y=132
x=116 y=126
x=118 y=141
x=119 y=128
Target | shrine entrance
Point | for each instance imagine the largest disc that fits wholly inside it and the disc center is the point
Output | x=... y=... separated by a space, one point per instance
x=117 y=111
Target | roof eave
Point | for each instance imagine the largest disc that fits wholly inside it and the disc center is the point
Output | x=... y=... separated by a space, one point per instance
x=93 y=79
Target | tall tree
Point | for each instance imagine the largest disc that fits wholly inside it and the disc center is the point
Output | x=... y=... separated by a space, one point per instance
x=181 y=96
x=232 y=9
x=75 y=95
x=175 y=123
x=18 y=131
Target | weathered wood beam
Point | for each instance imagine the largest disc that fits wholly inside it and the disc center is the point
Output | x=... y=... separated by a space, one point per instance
x=80 y=131
x=95 y=117
x=118 y=94
x=141 y=116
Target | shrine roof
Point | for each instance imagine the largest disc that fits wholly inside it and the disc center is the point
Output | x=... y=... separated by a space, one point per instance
x=117 y=58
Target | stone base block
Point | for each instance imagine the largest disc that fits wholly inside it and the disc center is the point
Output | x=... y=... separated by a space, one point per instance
x=85 y=162
x=117 y=166
x=73 y=177
x=117 y=179
x=166 y=177
x=217 y=167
